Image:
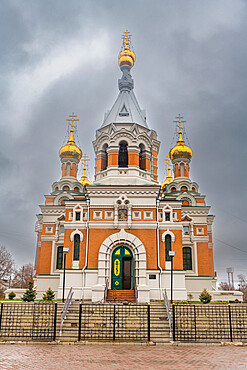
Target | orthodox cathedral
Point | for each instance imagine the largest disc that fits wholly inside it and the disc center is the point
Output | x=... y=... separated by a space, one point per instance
x=117 y=232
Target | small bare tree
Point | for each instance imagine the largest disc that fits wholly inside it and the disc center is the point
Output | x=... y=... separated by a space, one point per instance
x=224 y=286
x=6 y=269
x=23 y=276
x=243 y=285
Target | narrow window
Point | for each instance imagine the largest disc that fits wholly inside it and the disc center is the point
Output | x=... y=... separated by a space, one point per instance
x=141 y=157
x=187 y=258
x=105 y=157
x=76 y=253
x=168 y=247
x=62 y=229
x=78 y=216
x=167 y=216
x=59 y=258
x=123 y=154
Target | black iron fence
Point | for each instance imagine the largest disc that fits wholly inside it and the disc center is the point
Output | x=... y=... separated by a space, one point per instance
x=114 y=322
x=209 y=323
x=28 y=321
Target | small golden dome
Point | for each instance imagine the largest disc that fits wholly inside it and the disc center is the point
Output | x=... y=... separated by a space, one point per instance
x=168 y=179
x=70 y=149
x=180 y=150
x=84 y=180
x=126 y=58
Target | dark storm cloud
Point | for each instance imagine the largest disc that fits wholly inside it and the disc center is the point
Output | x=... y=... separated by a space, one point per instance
x=60 y=56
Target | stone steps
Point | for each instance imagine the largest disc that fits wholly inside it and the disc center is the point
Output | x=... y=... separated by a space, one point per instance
x=159 y=325
x=120 y=295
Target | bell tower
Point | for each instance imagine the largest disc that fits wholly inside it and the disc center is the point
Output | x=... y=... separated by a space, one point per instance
x=125 y=148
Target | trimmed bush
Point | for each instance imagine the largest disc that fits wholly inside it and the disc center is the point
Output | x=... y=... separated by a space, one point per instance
x=12 y=295
x=205 y=297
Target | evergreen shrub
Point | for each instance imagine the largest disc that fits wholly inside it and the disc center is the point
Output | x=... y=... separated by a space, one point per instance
x=49 y=295
x=12 y=295
x=205 y=297
x=30 y=293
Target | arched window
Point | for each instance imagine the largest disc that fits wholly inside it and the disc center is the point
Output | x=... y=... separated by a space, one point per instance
x=66 y=188
x=123 y=154
x=187 y=258
x=184 y=188
x=185 y=202
x=168 y=247
x=61 y=201
x=141 y=157
x=76 y=253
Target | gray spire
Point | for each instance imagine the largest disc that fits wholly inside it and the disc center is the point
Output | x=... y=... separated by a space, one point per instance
x=126 y=108
x=126 y=82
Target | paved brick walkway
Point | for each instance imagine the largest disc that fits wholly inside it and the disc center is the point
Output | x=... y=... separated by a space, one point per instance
x=43 y=356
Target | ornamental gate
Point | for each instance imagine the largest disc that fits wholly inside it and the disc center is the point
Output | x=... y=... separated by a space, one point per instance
x=209 y=323
x=113 y=322
x=122 y=269
x=28 y=321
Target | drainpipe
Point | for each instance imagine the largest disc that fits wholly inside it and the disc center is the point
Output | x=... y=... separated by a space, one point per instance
x=84 y=268
x=158 y=247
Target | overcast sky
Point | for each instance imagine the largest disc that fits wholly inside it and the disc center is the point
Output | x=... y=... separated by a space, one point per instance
x=61 y=56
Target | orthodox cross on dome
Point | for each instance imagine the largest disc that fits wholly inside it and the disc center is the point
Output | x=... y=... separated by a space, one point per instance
x=84 y=180
x=126 y=38
x=167 y=161
x=72 y=120
x=72 y=129
x=169 y=178
x=179 y=124
x=85 y=159
x=180 y=120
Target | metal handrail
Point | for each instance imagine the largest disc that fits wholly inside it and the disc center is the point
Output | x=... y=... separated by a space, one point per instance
x=65 y=308
x=136 y=293
x=106 y=289
x=166 y=302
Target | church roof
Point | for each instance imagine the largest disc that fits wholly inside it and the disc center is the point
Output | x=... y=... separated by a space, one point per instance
x=125 y=110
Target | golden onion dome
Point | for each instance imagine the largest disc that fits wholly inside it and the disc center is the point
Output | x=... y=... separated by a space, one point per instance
x=180 y=150
x=126 y=58
x=70 y=149
x=168 y=179
x=84 y=180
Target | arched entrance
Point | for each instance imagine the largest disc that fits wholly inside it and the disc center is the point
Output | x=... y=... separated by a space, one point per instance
x=122 y=269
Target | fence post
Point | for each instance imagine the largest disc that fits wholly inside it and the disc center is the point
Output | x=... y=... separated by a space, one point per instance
x=55 y=322
x=173 y=322
x=149 y=323
x=114 y=322
x=1 y=314
x=230 y=321
x=195 y=320
x=79 y=330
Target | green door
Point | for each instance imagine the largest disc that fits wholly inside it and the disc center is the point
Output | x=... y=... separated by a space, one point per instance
x=121 y=258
